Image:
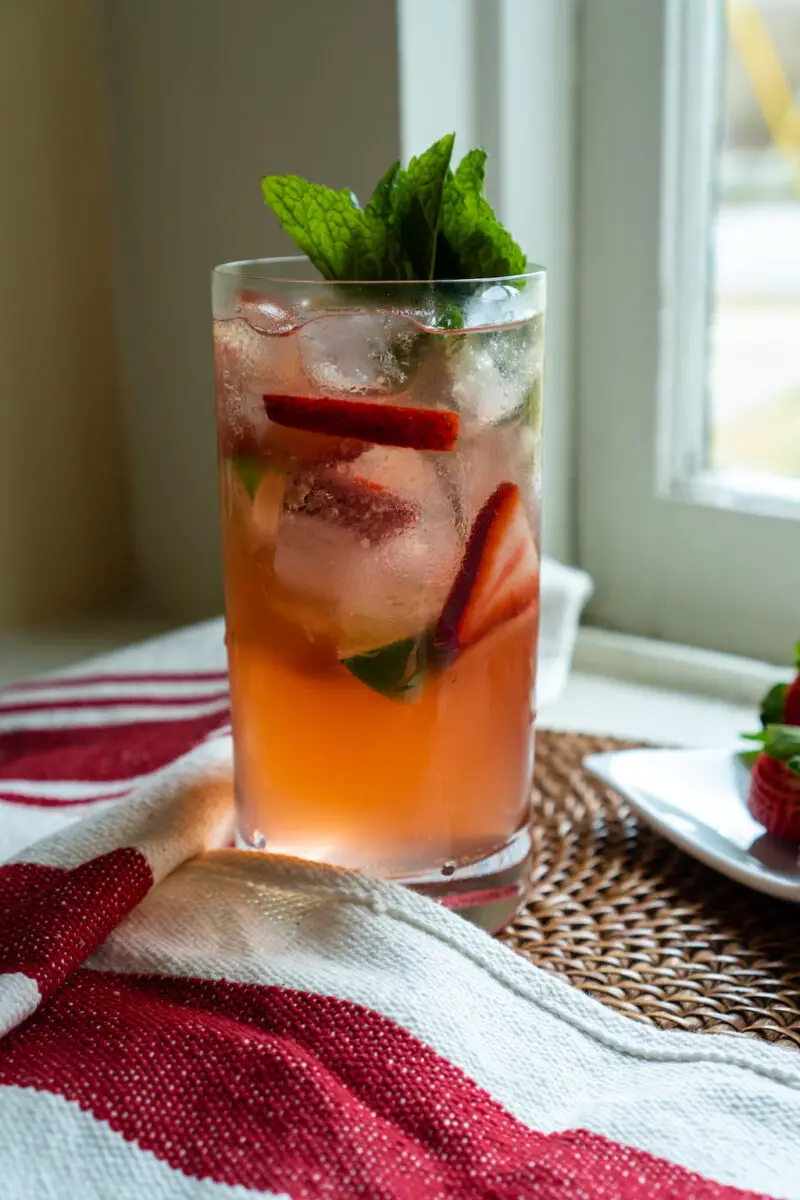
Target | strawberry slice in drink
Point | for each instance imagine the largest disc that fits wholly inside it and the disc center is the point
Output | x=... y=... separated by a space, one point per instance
x=366 y=507
x=498 y=578
x=366 y=420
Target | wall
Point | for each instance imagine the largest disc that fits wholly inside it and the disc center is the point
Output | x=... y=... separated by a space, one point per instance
x=206 y=98
x=64 y=538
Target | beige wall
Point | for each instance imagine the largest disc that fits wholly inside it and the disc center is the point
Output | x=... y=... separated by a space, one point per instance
x=206 y=97
x=64 y=539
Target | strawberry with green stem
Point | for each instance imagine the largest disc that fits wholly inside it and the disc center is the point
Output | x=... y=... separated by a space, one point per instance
x=774 y=797
x=781 y=704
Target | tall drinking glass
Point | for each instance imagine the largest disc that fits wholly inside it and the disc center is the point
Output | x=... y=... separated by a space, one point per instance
x=379 y=481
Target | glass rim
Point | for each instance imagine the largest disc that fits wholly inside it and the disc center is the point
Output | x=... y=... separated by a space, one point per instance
x=267 y=270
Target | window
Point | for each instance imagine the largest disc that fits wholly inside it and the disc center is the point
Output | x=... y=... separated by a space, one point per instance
x=688 y=416
x=754 y=400
x=648 y=153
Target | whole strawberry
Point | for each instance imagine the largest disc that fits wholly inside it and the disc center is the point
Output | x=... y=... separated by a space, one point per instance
x=781 y=705
x=774 y=798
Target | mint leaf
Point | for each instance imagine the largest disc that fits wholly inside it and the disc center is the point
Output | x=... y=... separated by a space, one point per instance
x=381 y=201
x=250 y=472
x=773 y=706
x=473 y=244
x=390 y=258
x=416 y=198
x=341 y=240
x=450 y=317
x=394 y=670
x=327 y=226
x=779 y=741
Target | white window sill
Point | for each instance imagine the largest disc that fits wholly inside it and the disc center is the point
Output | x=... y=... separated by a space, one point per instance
x=635 y=688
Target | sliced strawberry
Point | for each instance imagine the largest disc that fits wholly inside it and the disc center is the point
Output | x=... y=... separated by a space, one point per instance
x=499 y=574
x=366 y=507
x=774 y=799
x=383 y=424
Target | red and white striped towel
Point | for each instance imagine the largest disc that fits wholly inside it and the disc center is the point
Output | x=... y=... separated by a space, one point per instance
x=180 y=1019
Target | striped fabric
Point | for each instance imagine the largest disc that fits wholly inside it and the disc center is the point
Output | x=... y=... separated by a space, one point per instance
x=182 y=1019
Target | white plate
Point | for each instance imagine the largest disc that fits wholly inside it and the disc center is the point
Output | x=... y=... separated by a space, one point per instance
x=698 y=799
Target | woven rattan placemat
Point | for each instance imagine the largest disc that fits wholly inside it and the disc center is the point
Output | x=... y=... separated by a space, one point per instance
x=640 y=925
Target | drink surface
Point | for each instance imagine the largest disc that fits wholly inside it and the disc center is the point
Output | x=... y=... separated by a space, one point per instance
x=379 y=495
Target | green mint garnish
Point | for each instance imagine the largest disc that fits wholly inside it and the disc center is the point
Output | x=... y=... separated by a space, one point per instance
x=423 y=222
x=386 y=258
x=474 y=245
x=394 y=670
x=773 y=706
x=328 y=226
x=416 y=202
x=450 y=317
x=380 y=202
x=250 y=472
x=781 y=742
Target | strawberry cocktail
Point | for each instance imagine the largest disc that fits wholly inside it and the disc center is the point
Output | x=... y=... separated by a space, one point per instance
x=379 y=468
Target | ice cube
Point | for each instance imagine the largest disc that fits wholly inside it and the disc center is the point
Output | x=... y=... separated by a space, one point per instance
x=248 y=364
x=495 y=371
x=497 y=454
x=370 y=581
x=499 y=304
x=254 y=360
x=481 y=388
x=265 y=314
x=358 y=353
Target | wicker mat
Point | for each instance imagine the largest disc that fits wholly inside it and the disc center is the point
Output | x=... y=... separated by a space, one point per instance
x=642 y=926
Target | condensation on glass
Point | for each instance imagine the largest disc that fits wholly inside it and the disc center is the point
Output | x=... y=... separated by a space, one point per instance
x=379 y=478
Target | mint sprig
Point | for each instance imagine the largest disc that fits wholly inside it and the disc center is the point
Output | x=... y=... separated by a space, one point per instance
x=422 y=222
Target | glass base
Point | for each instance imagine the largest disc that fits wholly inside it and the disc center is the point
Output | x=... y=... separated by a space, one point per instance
x=488 y=891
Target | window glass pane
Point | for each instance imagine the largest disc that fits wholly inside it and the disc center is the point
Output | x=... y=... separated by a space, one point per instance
x=755 y=329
